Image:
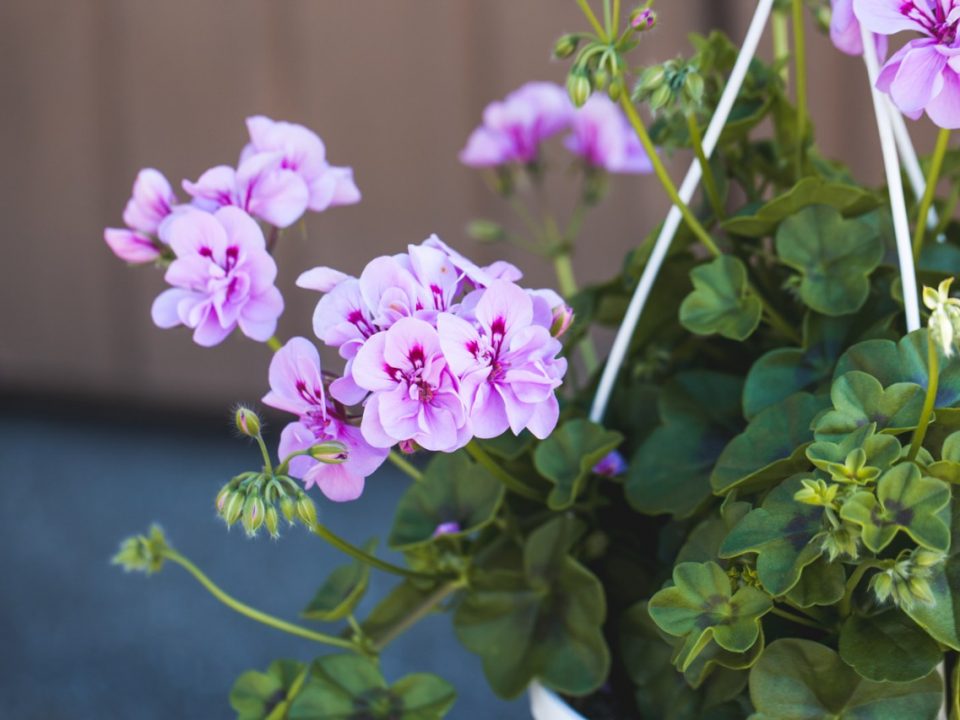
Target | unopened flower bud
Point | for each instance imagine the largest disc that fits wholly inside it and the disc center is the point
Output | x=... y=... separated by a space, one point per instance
x=247 y=422
x=660 y=97
x=446 y=528
x=693 y=88
x=271 y=521
x=486 y=231
x=253 y=512
x=143 y=553
x=222 y=496
x=565 y=46
x=562 y=320
x=651 y=79
x=643 y=19
x=232 y=507
x=927 y=558
x=579 y=87
x=289 y=508
x=331 y=452
x=611 y=465
x=882 y=586
x=920 y=590
x=306 y=510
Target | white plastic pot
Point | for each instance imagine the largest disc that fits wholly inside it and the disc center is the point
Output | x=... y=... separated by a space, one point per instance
x=546 y=705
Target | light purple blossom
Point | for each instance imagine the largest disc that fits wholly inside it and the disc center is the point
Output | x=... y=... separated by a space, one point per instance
x=414 y=395
x=446 y=528
x=506 y=364
x=845 y=30
x=283 y=172
x=151 y=202
x=296 y=386
x=514 y=128
x=603 y=138
x=222 y=277
x=612 y=465
x=923 y=75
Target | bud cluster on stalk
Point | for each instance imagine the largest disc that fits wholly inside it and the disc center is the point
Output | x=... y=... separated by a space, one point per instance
x=259 y=499
x=906 y=582
x=674 y=85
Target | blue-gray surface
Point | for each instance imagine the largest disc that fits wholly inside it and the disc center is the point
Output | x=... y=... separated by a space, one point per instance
x=83 y=640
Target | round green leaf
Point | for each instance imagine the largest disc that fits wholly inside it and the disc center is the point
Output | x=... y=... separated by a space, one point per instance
x=834 y=256
x=804 y=680
x=821 y=583
x=859 y=399
x=567 y=457
x=255 y=694
x=721 y=301
x=888 y=646
x=341 y=591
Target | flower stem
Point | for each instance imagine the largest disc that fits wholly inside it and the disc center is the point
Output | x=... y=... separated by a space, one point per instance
x=930 y=190
x=781 y=42
x=607 y=18
x=280 y=711
x=419 y=612
x=933 y=364
x=800 y=58
x=494 y=468
x=401 y=462
x=267 y=464
x=852 y=583
x=274 y=343
x=592 y=19
x=563 y=265
x=709 y=181
x=253 y=613
x=353 y=551
x=616 y=19
x=787 y=615
x=273 y=237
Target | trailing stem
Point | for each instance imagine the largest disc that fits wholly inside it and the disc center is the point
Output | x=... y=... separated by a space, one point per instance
x=353 y=551
x=930 y=190
x=401 y=462
x=933 y=366
x=800 y=58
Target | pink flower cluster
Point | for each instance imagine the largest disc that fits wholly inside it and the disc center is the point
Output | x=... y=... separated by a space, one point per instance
x=437 y=351
x=514 y=129
x=922 y=76
x=220 y=268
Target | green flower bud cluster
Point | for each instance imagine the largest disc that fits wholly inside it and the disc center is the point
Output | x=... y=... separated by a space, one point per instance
x=259 y=500
x=743 y=575
x=674 y=85
x=143 y=553
x=906 y=582
x=944 y=324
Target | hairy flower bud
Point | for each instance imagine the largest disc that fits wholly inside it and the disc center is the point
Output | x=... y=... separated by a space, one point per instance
x=271 y=521
x=579 y=87
x=486 y=231
x=331 y=452
x=566 y=46
x=288 y=508
x=232 y=507
x=306 y=510
x=643 y=19
x=247 y=422
x=253 y=512
x=562 y=320
x=143 y=553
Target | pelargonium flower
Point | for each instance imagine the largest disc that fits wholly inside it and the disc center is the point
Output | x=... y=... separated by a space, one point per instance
x=296 y=386
x=414 y=395
x=151 y=202
x=507 y=365
x=514 y=127
x=222 y=277
x=845 y=30
x=283 y=172
x=611 y=465
x=603 y=138
x=923 y=75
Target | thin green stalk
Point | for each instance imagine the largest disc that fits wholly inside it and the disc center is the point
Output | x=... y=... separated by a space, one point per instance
x=353 y=551
x=800 y=58
x=781 y=42
x=494 y=468
x=253 y=613
x=933 y=176
x=852 y=582
x=419 y=612
x=274 y=343
x=616 y=19
x=592 y=19
x=786 y=615
x=267 y=464
x=933 y=363
x=280 y=711
x=401 y=462
x=949 y=208
x=608 y=18
x=709 y=181
x=533 y=227
x=563 y=266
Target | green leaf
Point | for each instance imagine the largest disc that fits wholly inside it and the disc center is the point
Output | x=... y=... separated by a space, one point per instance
x=771 y=448
x=821 y=583
x=834 y=256
x=881 y=450
x=888 y=646
x=341 y=591
x=701 y=607
x=804 y=680
x=721 y=301
x=670 y=471
x=544 y=622
x=782 y=533
x=350 y=687
x=785 y=371
x=704 y=541
x=567 y=457
x=402 y=600
x=454 y=489
x=941 y=619
x=255 y=694
x=905 y=500
x=848 y=199
x=859 y=399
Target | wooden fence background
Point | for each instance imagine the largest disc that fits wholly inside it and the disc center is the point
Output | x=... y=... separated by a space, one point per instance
x=92 y=90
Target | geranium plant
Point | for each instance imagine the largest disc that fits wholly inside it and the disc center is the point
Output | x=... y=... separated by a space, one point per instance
x=746 y=511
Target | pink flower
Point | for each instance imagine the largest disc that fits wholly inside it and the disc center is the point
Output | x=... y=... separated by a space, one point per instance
x=611 y=465
x=222 y=277
x=513 y=128
x=506 y=364
x=477 y=276
x=151 y=202
x=283 y=172
x=922 y=75
x=603 y=138
x=845 y=30
x=414 y=396
x=296 y=386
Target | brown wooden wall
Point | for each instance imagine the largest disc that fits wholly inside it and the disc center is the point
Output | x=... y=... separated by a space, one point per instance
x=92 y=90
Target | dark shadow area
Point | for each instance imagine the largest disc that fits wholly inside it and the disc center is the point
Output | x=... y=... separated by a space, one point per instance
x=84 y=640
